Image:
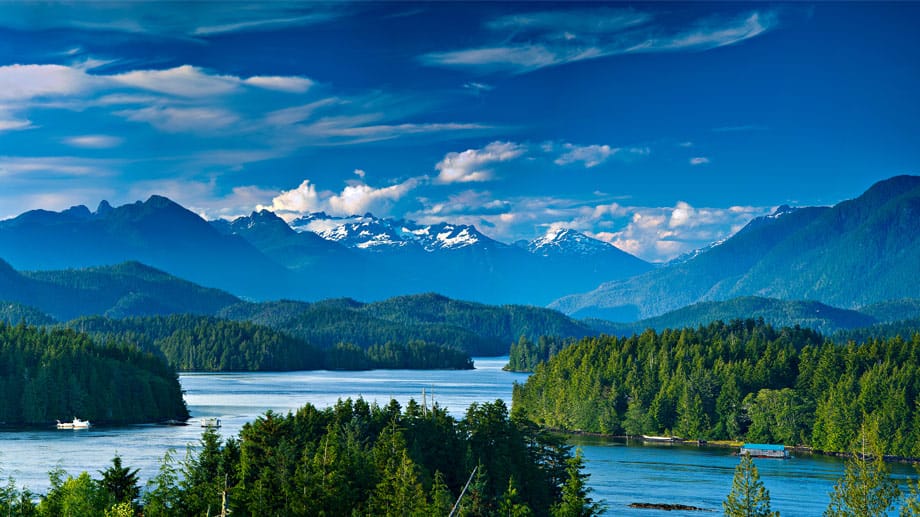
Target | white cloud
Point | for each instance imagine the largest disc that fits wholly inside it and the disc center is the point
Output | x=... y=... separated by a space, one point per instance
x=13 y=124
x=699 y=160
x=93 y=141
x=589 y=155
x=290 y=84
x=185 y=81
x=26 y=82
x=360 y=198
x=472 y=164
x=182 y=120
x=536 y=40
x=360 y=173
x=356 y=198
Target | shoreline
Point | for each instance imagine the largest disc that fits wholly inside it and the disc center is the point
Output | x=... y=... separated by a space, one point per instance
x=728 y=444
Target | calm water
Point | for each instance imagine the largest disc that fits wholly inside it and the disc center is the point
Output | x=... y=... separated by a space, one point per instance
x=620 y=473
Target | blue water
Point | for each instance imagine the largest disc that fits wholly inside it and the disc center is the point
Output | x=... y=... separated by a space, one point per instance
x=621 y=473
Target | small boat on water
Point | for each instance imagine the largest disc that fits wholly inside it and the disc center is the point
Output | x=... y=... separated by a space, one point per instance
x=75 y=424
x=660 y=439
x=210 y=422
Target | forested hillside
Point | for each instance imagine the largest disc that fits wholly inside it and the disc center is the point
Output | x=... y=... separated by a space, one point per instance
x=475 y=328
x=204 y=343
x=741 y=380
x=51 y=375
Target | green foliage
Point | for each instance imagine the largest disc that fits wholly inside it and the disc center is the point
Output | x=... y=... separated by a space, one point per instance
x=525 y=355
x=748 y=496
x=472 y=327
x=866 y=489
x=49 y=375
x=120 y=483
x=205 y=343
x=575 y=501
x=741 y=380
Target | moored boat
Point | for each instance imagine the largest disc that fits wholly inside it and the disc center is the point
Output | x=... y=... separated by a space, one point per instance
x=76 y=423
x=210 y=422
x=764 y=450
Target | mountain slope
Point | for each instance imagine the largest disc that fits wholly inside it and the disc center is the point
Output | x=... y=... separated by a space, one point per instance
x=779 y=313
x=157 y=232
x=856 y=253
x=128 y=289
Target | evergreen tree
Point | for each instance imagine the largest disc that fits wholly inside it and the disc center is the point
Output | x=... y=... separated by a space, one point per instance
x=510 y=505
x=120 y=482
x=866 y=488
x=748 y=497
x=575 y=501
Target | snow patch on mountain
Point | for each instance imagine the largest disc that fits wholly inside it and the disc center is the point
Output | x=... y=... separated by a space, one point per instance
x=568 y=242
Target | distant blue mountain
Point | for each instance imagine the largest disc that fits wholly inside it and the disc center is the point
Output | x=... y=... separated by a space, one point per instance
x=856 y=253
x=262 y=257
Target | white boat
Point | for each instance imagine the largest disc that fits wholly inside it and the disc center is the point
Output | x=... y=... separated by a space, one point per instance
x=660 y=439
x=75 y=424
x=210 y=422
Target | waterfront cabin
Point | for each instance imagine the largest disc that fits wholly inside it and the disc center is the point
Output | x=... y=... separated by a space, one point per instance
x=764 y=450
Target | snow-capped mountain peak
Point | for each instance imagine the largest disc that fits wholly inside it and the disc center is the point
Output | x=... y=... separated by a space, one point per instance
x=373 y=233
x=565 y=241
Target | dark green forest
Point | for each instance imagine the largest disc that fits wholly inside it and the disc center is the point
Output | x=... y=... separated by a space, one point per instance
x=475 y=328
x=351 y=459
x=740 y=380
x=50 y=375
x=204 y=343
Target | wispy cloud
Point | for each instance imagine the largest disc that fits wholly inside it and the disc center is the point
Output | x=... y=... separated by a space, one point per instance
x=699 y=160
x=182 y=120
x=169 y=20
x=593 y=155
x=93 y=141
x=474 y=164
x=589 y=155
x=531 y=41
x=50 y=166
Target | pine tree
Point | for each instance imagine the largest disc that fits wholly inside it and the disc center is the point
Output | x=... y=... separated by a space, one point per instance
x=748 y=497
x=575 y=501
x=120 y=482
x=866 y=488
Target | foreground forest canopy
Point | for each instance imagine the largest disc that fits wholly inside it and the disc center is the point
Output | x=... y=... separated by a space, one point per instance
x=740 y=380
x=351 y=459
x=51 y=375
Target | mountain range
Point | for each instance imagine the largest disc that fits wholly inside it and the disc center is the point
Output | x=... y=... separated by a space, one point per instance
x=261 y=257
x=856 y=253
x=852 y=255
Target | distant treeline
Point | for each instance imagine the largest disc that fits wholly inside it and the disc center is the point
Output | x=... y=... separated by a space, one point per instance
x=351 y=459
x=204 y=343
x=525 y=355
x=740 y=380
x=50 y=375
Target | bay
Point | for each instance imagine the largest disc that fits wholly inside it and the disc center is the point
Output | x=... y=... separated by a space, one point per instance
x=621 y=472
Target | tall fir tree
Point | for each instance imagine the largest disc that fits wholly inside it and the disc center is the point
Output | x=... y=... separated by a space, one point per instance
x=748 y=497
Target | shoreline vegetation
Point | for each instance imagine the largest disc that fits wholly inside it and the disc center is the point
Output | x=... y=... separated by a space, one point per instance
x=353 y=458
x=743 y=380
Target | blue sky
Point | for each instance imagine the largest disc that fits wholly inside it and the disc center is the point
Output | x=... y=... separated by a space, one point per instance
x=658 y=127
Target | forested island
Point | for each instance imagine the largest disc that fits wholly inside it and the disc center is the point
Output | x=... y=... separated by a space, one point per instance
x=739 y=380
x=351 y=459
x=58 y=374
x=206 y=343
